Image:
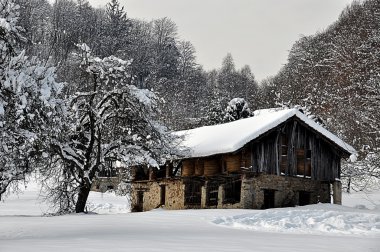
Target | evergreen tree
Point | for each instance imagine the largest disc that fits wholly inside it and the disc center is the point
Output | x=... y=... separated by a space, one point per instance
x=215 y=109
x=237 y=109
x=115 y=31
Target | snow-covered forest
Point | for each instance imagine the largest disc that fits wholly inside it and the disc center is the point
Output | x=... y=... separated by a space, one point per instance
x=82 y=86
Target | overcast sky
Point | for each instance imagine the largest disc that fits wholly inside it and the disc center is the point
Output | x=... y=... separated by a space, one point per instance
x=256 y=32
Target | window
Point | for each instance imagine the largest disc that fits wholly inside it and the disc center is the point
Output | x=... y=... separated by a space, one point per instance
x=193 y=193
x=303 y=162
x=232 y=192
x=212 y=193
x=300 y=161
x=308 y=154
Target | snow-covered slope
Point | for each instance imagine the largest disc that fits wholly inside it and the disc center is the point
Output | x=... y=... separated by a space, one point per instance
x=320 y=227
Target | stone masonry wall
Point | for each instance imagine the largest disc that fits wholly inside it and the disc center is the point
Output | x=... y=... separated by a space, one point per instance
x=174 y=194
x=286 y=192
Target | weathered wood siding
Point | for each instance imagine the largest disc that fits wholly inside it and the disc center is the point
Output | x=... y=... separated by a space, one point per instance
x=292 y=149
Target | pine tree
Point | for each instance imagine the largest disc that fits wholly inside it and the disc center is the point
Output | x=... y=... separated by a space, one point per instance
x=237 y=109
x=115 y=31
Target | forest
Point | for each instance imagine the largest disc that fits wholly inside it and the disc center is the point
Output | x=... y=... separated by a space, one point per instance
x=82 y=86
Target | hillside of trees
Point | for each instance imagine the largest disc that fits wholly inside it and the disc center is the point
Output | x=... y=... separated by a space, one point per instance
x=69 y=60
x=160 y=60
x=335 y=74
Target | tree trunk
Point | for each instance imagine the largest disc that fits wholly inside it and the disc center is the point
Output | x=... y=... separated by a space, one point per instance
x=82 y=199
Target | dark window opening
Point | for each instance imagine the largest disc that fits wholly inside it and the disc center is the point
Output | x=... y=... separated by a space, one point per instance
x=232 y=192
x=268 y=199
x=304 y=198
x=163 y=195
x=161 y=173
x=300 y=161
x=212 y=193
x=141 y=173
x=308 y=154
x=304 y=162
x=193 y=193
x=284 y=153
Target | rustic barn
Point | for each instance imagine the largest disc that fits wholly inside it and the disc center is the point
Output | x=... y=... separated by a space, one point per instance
x=277 y=158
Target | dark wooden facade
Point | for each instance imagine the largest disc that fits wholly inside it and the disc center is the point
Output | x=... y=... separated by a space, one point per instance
x=293 y=149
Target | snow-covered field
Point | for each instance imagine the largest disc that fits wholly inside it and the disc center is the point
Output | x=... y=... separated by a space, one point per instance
x=322 y=227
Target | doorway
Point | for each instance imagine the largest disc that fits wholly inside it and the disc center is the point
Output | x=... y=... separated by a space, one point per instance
x=139 y=202
x=269 y=198
x=304 y=198
x=163 y=195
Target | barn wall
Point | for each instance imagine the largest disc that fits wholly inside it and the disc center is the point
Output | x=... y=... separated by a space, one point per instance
x=285 y=151
x=286 y=191
x=174 y=196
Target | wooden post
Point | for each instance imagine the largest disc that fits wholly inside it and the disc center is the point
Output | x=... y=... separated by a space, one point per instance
x=252 y=158
x=277 y=146
x=337 y=192
x=151 y=174
x=204 y=195
x=220 y=196
x=292 y=163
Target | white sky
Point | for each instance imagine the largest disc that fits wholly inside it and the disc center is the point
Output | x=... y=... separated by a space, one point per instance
x=259 y=33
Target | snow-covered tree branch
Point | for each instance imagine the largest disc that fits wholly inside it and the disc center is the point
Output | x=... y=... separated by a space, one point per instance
x=107 y=119
x=29 y=103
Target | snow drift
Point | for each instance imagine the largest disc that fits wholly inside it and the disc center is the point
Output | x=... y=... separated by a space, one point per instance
x=312 y=219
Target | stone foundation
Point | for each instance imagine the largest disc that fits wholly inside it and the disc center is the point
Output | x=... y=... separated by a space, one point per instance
x=174 y=194
x=258 y=192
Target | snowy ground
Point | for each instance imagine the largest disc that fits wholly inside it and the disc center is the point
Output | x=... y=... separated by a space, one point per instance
x=323 y=227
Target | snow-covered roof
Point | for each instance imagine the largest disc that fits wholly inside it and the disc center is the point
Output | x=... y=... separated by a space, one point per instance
x=230 y=137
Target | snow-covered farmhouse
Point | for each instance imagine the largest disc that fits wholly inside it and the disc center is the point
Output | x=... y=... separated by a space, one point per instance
x=277 y=158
